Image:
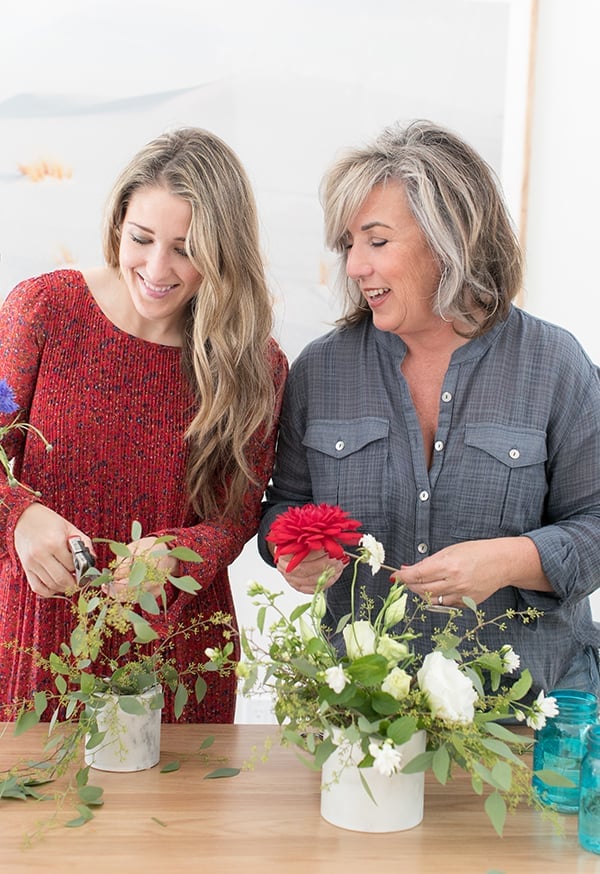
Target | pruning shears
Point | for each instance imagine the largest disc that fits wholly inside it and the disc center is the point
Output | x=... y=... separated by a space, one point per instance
x=82 y=557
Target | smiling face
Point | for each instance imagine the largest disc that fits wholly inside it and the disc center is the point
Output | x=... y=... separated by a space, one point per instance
x=158 y=274
x=389 y=258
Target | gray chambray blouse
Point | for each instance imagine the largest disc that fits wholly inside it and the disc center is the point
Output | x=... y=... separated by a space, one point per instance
x=517 y=451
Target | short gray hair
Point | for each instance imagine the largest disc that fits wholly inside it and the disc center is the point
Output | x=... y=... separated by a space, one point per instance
x=456 y=199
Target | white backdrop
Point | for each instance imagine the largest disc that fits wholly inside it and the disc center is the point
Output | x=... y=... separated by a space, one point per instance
x=286 y=83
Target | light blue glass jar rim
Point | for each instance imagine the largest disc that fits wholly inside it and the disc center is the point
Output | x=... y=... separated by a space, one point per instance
x=577 y=696
x=574 y=702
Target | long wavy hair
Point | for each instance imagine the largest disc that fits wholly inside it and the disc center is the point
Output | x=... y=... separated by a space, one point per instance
x=229 y=321
x=455 y=198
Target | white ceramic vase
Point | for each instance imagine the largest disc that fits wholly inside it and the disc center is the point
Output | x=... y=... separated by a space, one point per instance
x=398 y=801
x=132 y=741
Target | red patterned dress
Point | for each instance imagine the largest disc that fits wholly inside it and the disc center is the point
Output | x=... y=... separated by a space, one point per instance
x=115 y=409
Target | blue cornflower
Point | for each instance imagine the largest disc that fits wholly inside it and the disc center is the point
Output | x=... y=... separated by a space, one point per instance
x=7 y=398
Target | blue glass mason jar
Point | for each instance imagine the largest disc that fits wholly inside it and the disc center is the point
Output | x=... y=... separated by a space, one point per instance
x=589 y=793
x=559 y=746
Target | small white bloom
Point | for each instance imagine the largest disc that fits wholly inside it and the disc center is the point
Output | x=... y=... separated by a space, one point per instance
x=210 y=651
x=359 y=638
x=450 y=693
x=542 y=708
x=374 y=551
x=519 y=716
x=510 y=659
x=386 y=758
x=336 y=679
x=396 y=684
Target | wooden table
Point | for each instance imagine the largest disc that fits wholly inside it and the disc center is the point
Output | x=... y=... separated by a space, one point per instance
x=265 y=820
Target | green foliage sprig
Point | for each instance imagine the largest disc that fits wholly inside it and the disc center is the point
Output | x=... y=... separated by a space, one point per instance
x=81 y=673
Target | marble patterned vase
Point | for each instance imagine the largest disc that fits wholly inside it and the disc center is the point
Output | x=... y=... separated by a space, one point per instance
x=399 y=799
x=132 y=741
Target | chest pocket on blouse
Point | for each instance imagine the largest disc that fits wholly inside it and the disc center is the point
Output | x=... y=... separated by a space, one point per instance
x=348 y=461
x=502 y=484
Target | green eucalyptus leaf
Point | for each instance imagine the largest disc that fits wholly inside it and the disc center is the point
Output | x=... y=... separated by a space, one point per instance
x=260 y=618
x=26 y=720
x=148 y=602
x=477 y=784
x=85 y=814
x=157 y=702
x=144 y=633
x=91 y=795
x=207 y=742
x=183 y=553
x=186 y=584
x=323 y=751
x=420 y=763
x=170 y=766
x=131 y=704
x=181 y=699
x=57 y=665
x=500 y=748
x=299 y=610
x=124 y=648
x=343 y=622
x=40 y=702
x=521 y=687
x=222 y=772
x=440 y=764
x=200 y=689
x=61 y=684
x=495 y=807
x=502 y=775
x=95 y=739
x=137 y=573
x=136 y=530
x=12 y=788
x=121 y=550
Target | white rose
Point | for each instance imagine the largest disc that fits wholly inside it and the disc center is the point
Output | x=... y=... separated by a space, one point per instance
x=397 y=684
x=450 y=693
x=359 y=638
x=392 y=650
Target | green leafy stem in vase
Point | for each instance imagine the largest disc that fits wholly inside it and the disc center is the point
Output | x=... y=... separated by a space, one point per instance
x=81 y=673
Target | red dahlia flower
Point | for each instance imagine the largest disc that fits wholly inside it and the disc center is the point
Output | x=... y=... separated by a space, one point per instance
x=301 y=529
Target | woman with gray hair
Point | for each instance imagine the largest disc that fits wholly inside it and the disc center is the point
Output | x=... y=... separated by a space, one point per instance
x=462 y=432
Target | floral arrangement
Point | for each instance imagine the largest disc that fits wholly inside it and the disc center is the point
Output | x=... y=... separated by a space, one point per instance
x=376 y=692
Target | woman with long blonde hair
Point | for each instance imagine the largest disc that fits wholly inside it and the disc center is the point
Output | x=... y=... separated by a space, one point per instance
x=157 y=382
